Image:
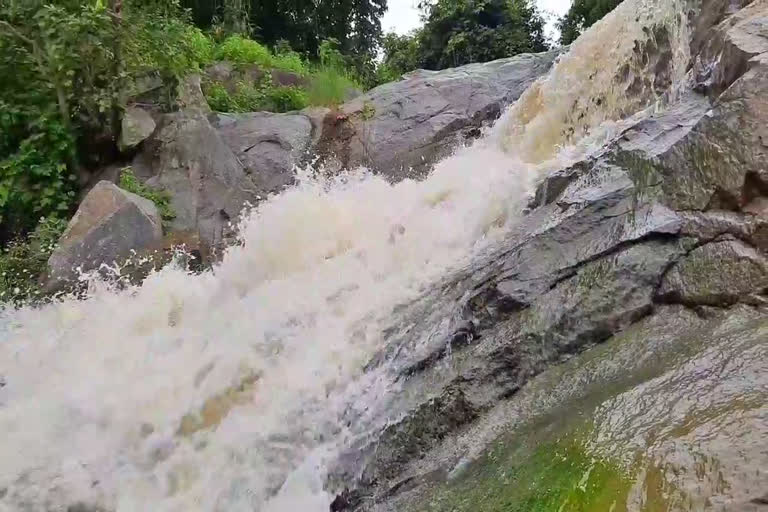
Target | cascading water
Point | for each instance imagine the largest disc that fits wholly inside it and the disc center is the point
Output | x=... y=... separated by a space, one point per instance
x=223 y=391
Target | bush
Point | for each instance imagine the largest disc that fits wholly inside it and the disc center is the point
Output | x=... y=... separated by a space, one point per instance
x=161 y=198
x=329 y=86
x=285 y=99
x=34 y=179
x=250 y=97
x=289 y=61
x=240 y=50
x=22 y=262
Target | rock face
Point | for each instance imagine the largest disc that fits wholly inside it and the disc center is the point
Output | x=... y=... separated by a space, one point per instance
x=402 y=128
x=108 y=226
x=137 y=126
x=671 y=214
x=268 y=146
x=214 y=164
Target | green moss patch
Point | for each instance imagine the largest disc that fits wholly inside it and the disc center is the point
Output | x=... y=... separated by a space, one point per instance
x=529 y=476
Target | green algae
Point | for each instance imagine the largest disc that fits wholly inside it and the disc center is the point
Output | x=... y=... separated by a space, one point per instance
x=533 y=476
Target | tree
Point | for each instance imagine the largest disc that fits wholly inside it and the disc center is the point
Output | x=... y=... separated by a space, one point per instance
x=582 y=15
x=66 y=67
x=304 y=24
x=459 y=32
x=401 y=54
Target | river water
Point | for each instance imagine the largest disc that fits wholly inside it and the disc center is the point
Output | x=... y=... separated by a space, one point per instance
x=223 y=391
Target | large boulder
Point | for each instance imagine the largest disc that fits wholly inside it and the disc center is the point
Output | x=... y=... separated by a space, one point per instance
x=207 y=183
x=268 y=145
x=109 y=226
x=214 y=165
x=402 y=128
x=137 y=126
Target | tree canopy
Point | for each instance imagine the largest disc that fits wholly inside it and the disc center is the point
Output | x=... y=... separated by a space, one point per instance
x=304 y=24
x=582 y=15
x=458 y=32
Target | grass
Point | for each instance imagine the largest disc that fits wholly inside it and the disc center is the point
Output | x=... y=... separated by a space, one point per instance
x=328 y=83
x=161 y=198
x=329 y=86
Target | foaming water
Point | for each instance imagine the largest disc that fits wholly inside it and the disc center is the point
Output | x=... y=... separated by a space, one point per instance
x=224 y=390
x=635 y=57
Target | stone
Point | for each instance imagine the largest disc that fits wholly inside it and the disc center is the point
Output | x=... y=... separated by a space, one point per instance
x=190 y=94
x=401 y=129
x=268 y=145
x=716 y=274
x=109 y=225
x=137 y=125
x=207 y=183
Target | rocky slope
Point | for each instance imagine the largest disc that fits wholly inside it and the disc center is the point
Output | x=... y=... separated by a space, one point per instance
x=670 y=219
x=214 y=164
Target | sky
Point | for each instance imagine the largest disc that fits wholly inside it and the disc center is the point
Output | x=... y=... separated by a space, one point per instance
x=403 y=15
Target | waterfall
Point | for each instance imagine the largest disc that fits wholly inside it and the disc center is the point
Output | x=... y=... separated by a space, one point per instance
x=222 y=391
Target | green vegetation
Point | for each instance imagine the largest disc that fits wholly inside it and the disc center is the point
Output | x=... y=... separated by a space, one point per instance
x=161 y=198
x=582 y=15
x=240 y=50
x=537 y=477
x=458 y=32
x=22 y=261
x=69 y=68
x=66 y=70
x=325 y=83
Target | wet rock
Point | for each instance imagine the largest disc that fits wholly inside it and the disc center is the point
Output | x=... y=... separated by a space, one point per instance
x=268 y=145
x=109 y=224
x=408 y=125
x=137 y=126
x=716 y=274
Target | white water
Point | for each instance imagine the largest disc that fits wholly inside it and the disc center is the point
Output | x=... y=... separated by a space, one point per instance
x=270 y=345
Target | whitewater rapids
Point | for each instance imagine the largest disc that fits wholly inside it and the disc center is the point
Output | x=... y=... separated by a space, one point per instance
x=223 y=391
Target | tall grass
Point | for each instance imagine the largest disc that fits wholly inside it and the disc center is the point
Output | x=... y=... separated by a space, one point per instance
x=330 y=85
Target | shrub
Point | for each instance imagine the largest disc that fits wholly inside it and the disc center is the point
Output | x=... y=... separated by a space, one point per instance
x=22 y=262
x=289 y=61
x=329 y=86
x=285 y=99
x=240 y=50
x=161 y=198
x=250 y=97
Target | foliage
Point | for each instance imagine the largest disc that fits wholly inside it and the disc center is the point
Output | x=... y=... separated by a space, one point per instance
x=285 y=99
x=330 y=86
x=402 y=53
x=23 y=261
x=304 y=24
x=458 y=32
x=66 y=70
x=161 y=198
x=240 y=50
x=249 y=97
x=582 y=15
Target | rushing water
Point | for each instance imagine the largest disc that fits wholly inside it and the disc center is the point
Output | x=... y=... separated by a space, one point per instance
x=223 y=391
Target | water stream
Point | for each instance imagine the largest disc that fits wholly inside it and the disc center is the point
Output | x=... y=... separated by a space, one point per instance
x=223 y=391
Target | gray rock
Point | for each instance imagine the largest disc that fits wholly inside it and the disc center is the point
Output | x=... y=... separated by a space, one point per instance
x=207 y=183
x=673 y=211
x=414 y=122
x=268 y=145
x=109 y=224
x=190 y=94
x=716 y=274
x=137 y=126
